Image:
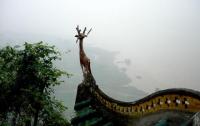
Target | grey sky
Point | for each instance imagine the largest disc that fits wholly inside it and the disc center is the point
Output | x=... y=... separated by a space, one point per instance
x=161 y=37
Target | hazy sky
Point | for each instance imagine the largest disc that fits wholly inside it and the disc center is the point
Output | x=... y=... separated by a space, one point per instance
x=161 y=37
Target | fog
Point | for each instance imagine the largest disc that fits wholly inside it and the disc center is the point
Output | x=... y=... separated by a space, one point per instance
x=160 y=39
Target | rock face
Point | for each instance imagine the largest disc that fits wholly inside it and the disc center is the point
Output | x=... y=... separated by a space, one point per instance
x=169 y=107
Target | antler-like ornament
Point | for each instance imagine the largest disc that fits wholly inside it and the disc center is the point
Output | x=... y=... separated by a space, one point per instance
x=78 y=30
x=89 y=31
x=81 y=35
x=84 y=30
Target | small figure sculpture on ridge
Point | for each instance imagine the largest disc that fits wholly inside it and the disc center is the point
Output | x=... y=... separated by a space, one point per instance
x=84 y=60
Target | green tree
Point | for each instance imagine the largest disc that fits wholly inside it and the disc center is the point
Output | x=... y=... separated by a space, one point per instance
x=27 y=78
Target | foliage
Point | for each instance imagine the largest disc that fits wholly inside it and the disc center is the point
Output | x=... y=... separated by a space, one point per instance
x=27 y=78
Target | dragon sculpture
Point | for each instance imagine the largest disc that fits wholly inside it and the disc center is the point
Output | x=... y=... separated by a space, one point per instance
x=95 y=108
